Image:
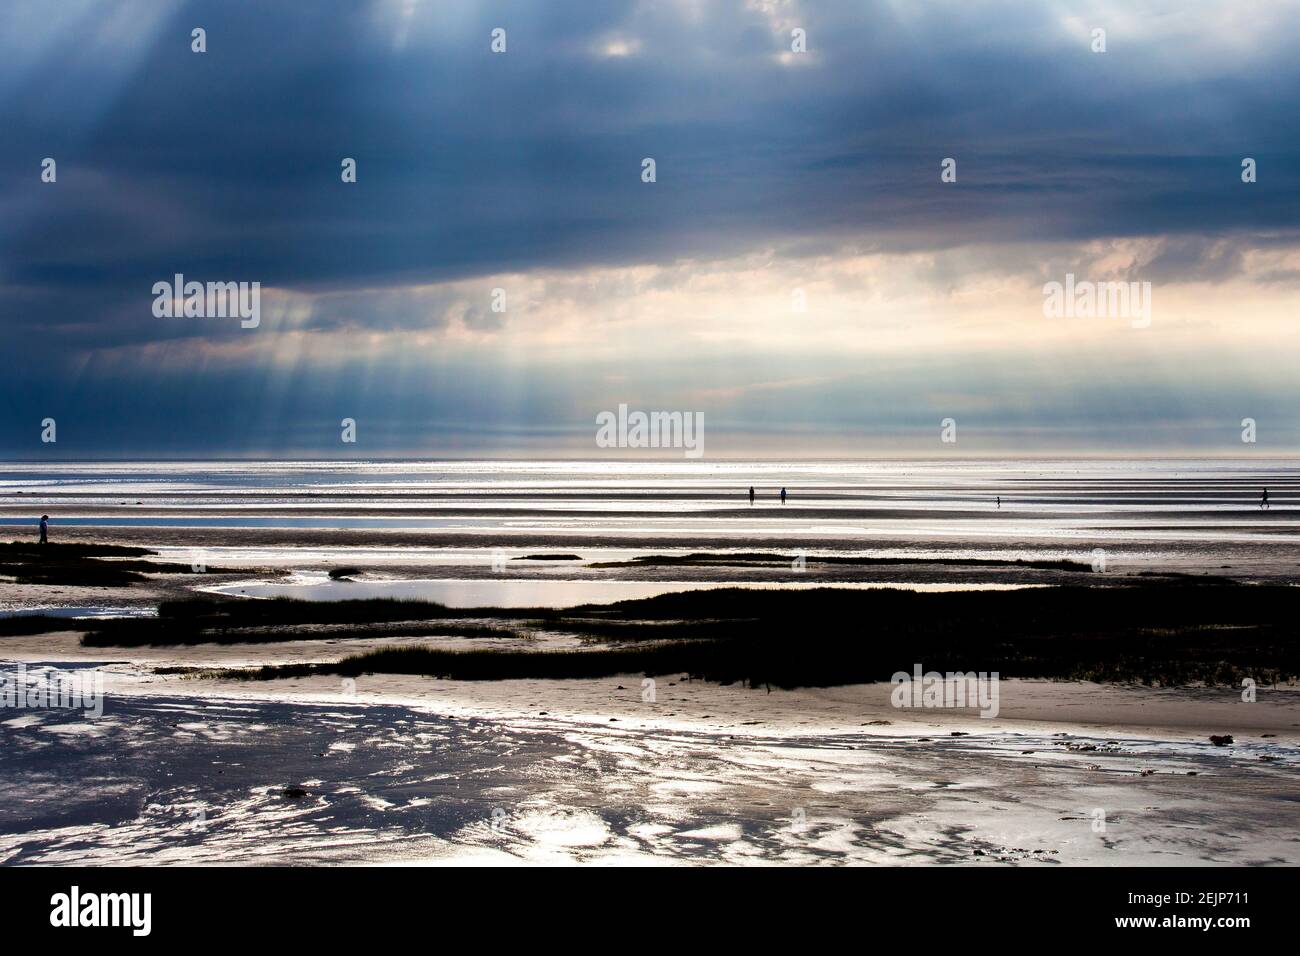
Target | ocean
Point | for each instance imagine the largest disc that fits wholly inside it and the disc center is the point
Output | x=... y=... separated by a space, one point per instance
x=1176 y=510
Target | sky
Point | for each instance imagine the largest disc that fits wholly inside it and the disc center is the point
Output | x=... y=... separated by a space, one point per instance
x=799 y=272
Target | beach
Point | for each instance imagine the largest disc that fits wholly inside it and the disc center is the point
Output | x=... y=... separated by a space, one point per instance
x=414 y=770
x=193 y=762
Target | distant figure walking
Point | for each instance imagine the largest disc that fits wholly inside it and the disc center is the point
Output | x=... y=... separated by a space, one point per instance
x=1263 y=502
x=999 y=502
x=45 y=529
x=751 y=494
x=782 y=496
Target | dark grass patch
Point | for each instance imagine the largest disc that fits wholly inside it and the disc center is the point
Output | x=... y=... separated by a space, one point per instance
x=766 y=559
x=26 y=550
x=1168 y=633
x=69 y=564
x=1060 y=609
x=480 y=664
x=815 y=664
x=267 y=672
x=506 y=665
x=818 y=660
x=260 y=621
x=88 y=565
x=22 y=624
x=79 y=574
x=174 y=635
x=245 y=612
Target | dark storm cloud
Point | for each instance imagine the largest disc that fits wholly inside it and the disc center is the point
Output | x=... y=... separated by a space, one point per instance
x=225 y=165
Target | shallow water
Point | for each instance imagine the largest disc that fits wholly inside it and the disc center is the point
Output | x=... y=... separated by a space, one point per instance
x=206 y=777
x=80 y=611
x=539 y=593
x=1201 y=515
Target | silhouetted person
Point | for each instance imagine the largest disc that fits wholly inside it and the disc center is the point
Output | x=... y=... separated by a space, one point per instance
x=999 y=502
x=1263 y=502
x=782 y=496
x=751 y=494
x=45 y=529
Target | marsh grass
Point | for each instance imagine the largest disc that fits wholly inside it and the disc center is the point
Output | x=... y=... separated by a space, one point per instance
x=23 y=624
x=709 y=559
x=1165 y=634
x=85 y=565
x=164 y=636
x=261 y=621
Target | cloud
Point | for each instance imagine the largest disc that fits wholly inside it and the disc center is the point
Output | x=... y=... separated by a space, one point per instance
x=522 y=170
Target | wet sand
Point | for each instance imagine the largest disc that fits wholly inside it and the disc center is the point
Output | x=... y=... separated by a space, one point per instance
x=418 y=770
x=185 y=770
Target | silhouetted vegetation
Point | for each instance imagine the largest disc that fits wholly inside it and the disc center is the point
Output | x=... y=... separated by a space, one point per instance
x=167 y=637
x=1167 y=634
x=705 y=559
x=244 y=621
x=88 y=565
x=21 y=624
x=30 y=550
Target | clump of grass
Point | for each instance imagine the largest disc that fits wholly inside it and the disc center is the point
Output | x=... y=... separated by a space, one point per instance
x=22 y=550
x=68 y=564
x=23 y=624
x=768 y=559
x=268 y=672
x=88 y=565
x=826 y=658
x=157 y=633
x=206 y=620
x=1160 y=633
x=483 y=664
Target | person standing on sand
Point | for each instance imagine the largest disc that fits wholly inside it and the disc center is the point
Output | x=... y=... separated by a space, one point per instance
x=782 y=496
x=999 y=502
x=1263 y=502
x=751 y=494
x=45 y=529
